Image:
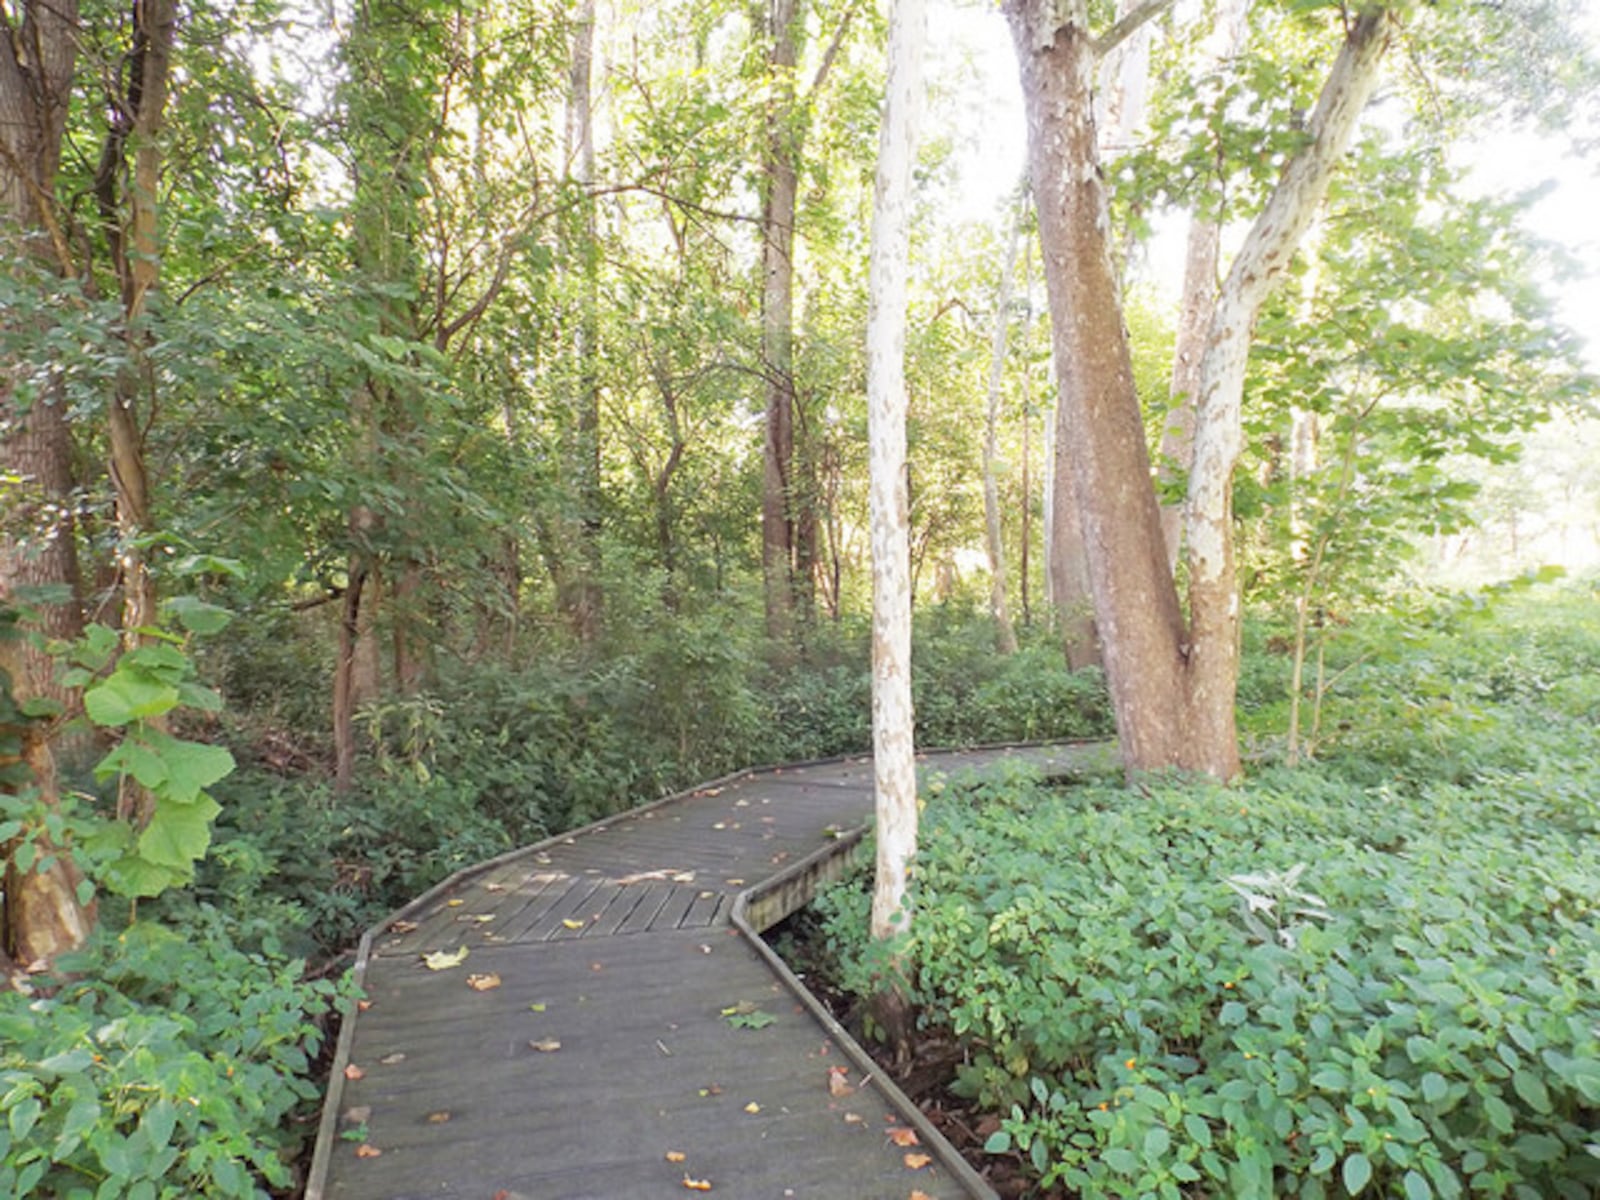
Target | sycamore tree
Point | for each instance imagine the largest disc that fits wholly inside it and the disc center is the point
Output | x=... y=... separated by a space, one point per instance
x=894 y=768
x=1172 y=656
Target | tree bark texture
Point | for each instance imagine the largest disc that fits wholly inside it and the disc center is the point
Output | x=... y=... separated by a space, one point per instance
x=894 y=766
x=38 y=538
x=1101 y=446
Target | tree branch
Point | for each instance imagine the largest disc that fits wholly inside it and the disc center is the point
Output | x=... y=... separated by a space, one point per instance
x=1129 y=24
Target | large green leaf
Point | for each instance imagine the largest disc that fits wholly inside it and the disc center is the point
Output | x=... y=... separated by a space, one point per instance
x=179 y=834
x=128 y=695
x=192 y=766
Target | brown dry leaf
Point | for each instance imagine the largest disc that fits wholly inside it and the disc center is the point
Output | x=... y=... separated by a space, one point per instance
x=697 y=1185
x=838 y=1085
x=390 y=1060
x=752 y=1108
x=903 y=1137
x=919 y=1194
x=403 y=926
x=363 y=1005
x=546 y=1046
x=571 y=924
x=676 y=1156
x=353 y=1072
x=358 y=1114
x=366 y=1151
x=483 y=983
x=916 y=1161
x=711 y=1089
x=438 y=1118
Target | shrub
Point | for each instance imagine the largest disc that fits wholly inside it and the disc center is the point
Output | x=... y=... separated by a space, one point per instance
x=1376 y=976
x=167 y=1065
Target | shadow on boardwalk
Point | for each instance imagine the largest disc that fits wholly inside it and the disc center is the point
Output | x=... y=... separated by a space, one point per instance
x=616 y=1029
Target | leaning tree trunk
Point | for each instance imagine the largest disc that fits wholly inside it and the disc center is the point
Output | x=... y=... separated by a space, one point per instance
x=1213 y=665
x=894 y=767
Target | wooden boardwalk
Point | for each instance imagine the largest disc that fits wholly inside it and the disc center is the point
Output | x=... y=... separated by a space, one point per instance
x=616 y=1029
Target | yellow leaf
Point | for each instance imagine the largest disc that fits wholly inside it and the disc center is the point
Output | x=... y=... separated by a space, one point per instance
x=571 y=924
x=903 y=1137
x=697 y=1185
x=547 y=1046
x=536 y=1008
x=443 y=960
x=676 y=1156
x=752 y=1107
x=438 y=1118
x=483 y=983
x=454 y=903
x=916 y=1161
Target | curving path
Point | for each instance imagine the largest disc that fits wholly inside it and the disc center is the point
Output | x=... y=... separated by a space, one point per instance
x=617 y=1029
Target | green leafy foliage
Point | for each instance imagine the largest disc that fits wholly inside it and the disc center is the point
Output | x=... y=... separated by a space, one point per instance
x=161 y=1065
x=1324 y=982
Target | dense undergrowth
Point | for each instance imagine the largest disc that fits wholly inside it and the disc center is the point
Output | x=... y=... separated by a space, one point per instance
x=176 y=1055
x=1378 y=974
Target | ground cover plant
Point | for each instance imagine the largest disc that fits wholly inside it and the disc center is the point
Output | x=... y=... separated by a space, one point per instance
x=1379 y=975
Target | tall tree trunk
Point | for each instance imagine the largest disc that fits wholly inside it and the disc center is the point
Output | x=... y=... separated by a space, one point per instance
x=999 y=608
x=1213 y=662
x=894 y=766
x=42 y=915
x=780 y=181
x=1196 y=304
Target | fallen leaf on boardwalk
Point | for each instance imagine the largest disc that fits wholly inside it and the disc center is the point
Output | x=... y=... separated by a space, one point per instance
x=536 y=1008
x=363 y=1005
x=838 y=1085
x=683 y=877
x=752 y=1108
x=456 y=903
x=780 y=856
x=438 y=1118
x=358 y=1114
x=475 y=918
x=571 y=924
x=597 y=966
x=916 y=1161
x=697 y=1185
x=736 y=882
x=741 y=803
x=676 y=1156
x=353 y=1072
x=443 y=960
x=707 y=895
x=403 y=926
x=720 y=825
x=494 y=887
x=703 y=948
x=390 y=1060
x=854 y=1119
x=711 y=1089
x=547 y=1046
x=919 y=1195
x=366 y=1151
x=483 y=983
x=903 y=1137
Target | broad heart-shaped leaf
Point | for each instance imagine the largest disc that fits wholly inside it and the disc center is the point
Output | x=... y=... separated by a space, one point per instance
x=197 y=616
x=178 y=834
x=134 y=877
x=137 y=758
x=128 y=695
x=191 y=766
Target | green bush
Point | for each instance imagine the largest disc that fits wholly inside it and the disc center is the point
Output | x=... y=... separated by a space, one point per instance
x=1437 y=1028
x=165 y=1065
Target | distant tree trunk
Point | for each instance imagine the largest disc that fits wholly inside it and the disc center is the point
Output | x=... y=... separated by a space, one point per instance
x=999 y=608
x=780 y=186
x=1172 y=686
x=894 y=767
x=580 y=594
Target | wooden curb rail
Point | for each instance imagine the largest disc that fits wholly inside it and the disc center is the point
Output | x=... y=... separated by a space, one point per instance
x=617 y=1028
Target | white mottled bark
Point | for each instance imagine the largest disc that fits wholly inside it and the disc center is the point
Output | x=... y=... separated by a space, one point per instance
x=894 y=766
